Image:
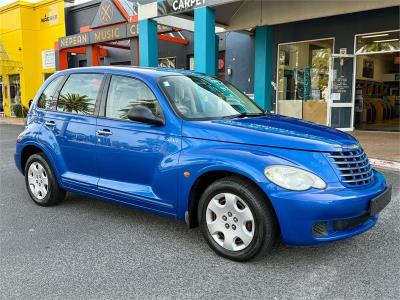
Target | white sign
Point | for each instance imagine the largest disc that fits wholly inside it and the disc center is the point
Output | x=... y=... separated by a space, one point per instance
x=343 y=51
x=48 y=59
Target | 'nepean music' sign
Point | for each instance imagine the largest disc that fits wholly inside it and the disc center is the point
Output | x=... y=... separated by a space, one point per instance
x=106 y=34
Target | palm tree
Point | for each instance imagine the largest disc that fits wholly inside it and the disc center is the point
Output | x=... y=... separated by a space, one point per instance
x=70 y=102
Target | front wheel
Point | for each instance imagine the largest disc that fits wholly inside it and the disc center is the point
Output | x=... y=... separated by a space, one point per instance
x=236 y=219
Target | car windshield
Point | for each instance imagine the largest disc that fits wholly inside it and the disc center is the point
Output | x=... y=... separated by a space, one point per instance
x=199 y=98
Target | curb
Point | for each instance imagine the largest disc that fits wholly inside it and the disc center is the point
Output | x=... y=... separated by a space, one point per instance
x=385 y=164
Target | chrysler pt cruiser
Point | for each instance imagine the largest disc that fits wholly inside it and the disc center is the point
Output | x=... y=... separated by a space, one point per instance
x=192 y=147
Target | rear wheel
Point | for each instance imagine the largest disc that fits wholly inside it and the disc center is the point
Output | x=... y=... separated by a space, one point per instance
x=41 y=183
x=236 y=219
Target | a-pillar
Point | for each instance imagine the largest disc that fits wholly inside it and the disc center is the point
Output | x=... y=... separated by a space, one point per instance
x=263 y=67
x=148 y=43
x=205 y=54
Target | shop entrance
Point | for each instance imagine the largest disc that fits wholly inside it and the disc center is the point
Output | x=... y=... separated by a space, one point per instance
x=340 y=109
x=377 y=90
x=1 y=98
x=14 y=92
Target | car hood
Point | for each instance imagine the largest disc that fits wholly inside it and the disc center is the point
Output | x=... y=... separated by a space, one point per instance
x=270 y=131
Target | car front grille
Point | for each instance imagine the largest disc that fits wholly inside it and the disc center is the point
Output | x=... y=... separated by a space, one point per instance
x=352 y=167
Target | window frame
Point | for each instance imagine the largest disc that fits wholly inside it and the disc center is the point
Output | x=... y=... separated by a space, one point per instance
x=55 y=93
x=98 y=98
x=104 y=99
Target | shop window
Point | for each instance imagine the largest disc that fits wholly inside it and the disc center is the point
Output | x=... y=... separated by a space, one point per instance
x=378 y=42
x=167 y=62
x=124 y=93
x=79 y=93
x=303 y=77
x=47 y=99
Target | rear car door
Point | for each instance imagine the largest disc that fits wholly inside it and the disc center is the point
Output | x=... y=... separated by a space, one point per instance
x=137 y=161
x=72 y=128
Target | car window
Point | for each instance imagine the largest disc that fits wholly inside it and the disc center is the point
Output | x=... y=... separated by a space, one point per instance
x=47 y=99
x=205 y=97
x=79 y=93
x=124 y=93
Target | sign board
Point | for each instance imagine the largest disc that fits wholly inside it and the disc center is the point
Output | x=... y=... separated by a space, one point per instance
x=74 y=40
x=343 y=51
x=49 y=16
x=106 y=34
x=107 y=14
x=167 y=7
x=48 y=59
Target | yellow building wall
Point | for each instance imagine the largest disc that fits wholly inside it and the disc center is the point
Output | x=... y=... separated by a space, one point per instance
x=26 y=30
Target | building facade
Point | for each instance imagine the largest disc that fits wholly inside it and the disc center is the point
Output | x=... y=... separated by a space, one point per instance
x=27 y=35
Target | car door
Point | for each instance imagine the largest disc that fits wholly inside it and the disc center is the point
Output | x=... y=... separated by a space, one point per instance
x=137 y=161
x=71 y=129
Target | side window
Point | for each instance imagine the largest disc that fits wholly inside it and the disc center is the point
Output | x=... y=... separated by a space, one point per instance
x=47 y=100
x=124 y=93
x=79 y=93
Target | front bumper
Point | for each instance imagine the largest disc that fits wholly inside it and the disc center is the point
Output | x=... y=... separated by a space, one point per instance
x=320 y=216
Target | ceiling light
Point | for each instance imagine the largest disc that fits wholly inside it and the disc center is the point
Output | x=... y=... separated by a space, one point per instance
x=383 y=41
x=375 y=35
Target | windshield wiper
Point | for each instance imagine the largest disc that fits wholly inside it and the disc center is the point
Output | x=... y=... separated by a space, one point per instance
x=243 y=115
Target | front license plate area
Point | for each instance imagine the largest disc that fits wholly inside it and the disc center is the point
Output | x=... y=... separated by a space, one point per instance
x=379 y=203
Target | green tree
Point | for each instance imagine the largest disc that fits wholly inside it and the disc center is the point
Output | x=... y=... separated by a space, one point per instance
x=75 y=103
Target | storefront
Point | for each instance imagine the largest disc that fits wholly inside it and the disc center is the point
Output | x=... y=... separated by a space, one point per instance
x=28 y=32
x=341 y=71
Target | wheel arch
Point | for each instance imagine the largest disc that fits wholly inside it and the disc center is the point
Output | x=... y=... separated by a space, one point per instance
x=34 y=148
x=207 y=178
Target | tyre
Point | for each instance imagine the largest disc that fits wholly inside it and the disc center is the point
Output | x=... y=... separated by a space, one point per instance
x=41 y=182
x=236 y=219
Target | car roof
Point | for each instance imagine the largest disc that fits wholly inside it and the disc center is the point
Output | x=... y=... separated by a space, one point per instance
x=153 y=73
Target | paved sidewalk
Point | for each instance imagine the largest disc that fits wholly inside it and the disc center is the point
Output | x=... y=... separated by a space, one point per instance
x=380 y=145
x=12 y=121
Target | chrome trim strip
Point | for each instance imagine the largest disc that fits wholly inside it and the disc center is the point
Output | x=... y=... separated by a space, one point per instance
x=358 y=180
x=346 y=156
x=356 y=174
x=356 y=168
x=350 y=162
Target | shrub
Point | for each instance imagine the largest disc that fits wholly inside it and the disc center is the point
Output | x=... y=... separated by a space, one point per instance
x=17 y=109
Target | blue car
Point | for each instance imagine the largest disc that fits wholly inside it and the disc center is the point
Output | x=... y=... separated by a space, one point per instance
x=194 y=148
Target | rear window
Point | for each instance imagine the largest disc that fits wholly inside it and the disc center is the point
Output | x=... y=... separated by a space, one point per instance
x=47 y=99
x=79 y=93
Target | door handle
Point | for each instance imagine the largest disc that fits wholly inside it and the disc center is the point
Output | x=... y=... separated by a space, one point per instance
x=103 y=132
x=50 y=123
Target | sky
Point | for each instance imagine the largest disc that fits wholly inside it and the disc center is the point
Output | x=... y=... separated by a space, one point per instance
x=5 y=2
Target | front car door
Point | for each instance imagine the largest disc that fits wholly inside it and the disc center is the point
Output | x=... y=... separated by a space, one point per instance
x=137 y=161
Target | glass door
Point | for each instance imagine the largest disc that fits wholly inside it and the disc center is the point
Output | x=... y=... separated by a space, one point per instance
x=341 y=104
x=1 y=98
x=14 y=92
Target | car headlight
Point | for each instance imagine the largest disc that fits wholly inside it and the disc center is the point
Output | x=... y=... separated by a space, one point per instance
x=293 y=178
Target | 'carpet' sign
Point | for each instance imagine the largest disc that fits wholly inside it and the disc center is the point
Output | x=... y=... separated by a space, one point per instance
x=176 y=6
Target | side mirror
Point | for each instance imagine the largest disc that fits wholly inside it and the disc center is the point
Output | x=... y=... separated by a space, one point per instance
x=143 y=114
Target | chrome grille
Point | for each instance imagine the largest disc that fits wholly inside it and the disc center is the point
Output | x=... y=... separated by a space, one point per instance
x=352 y=166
